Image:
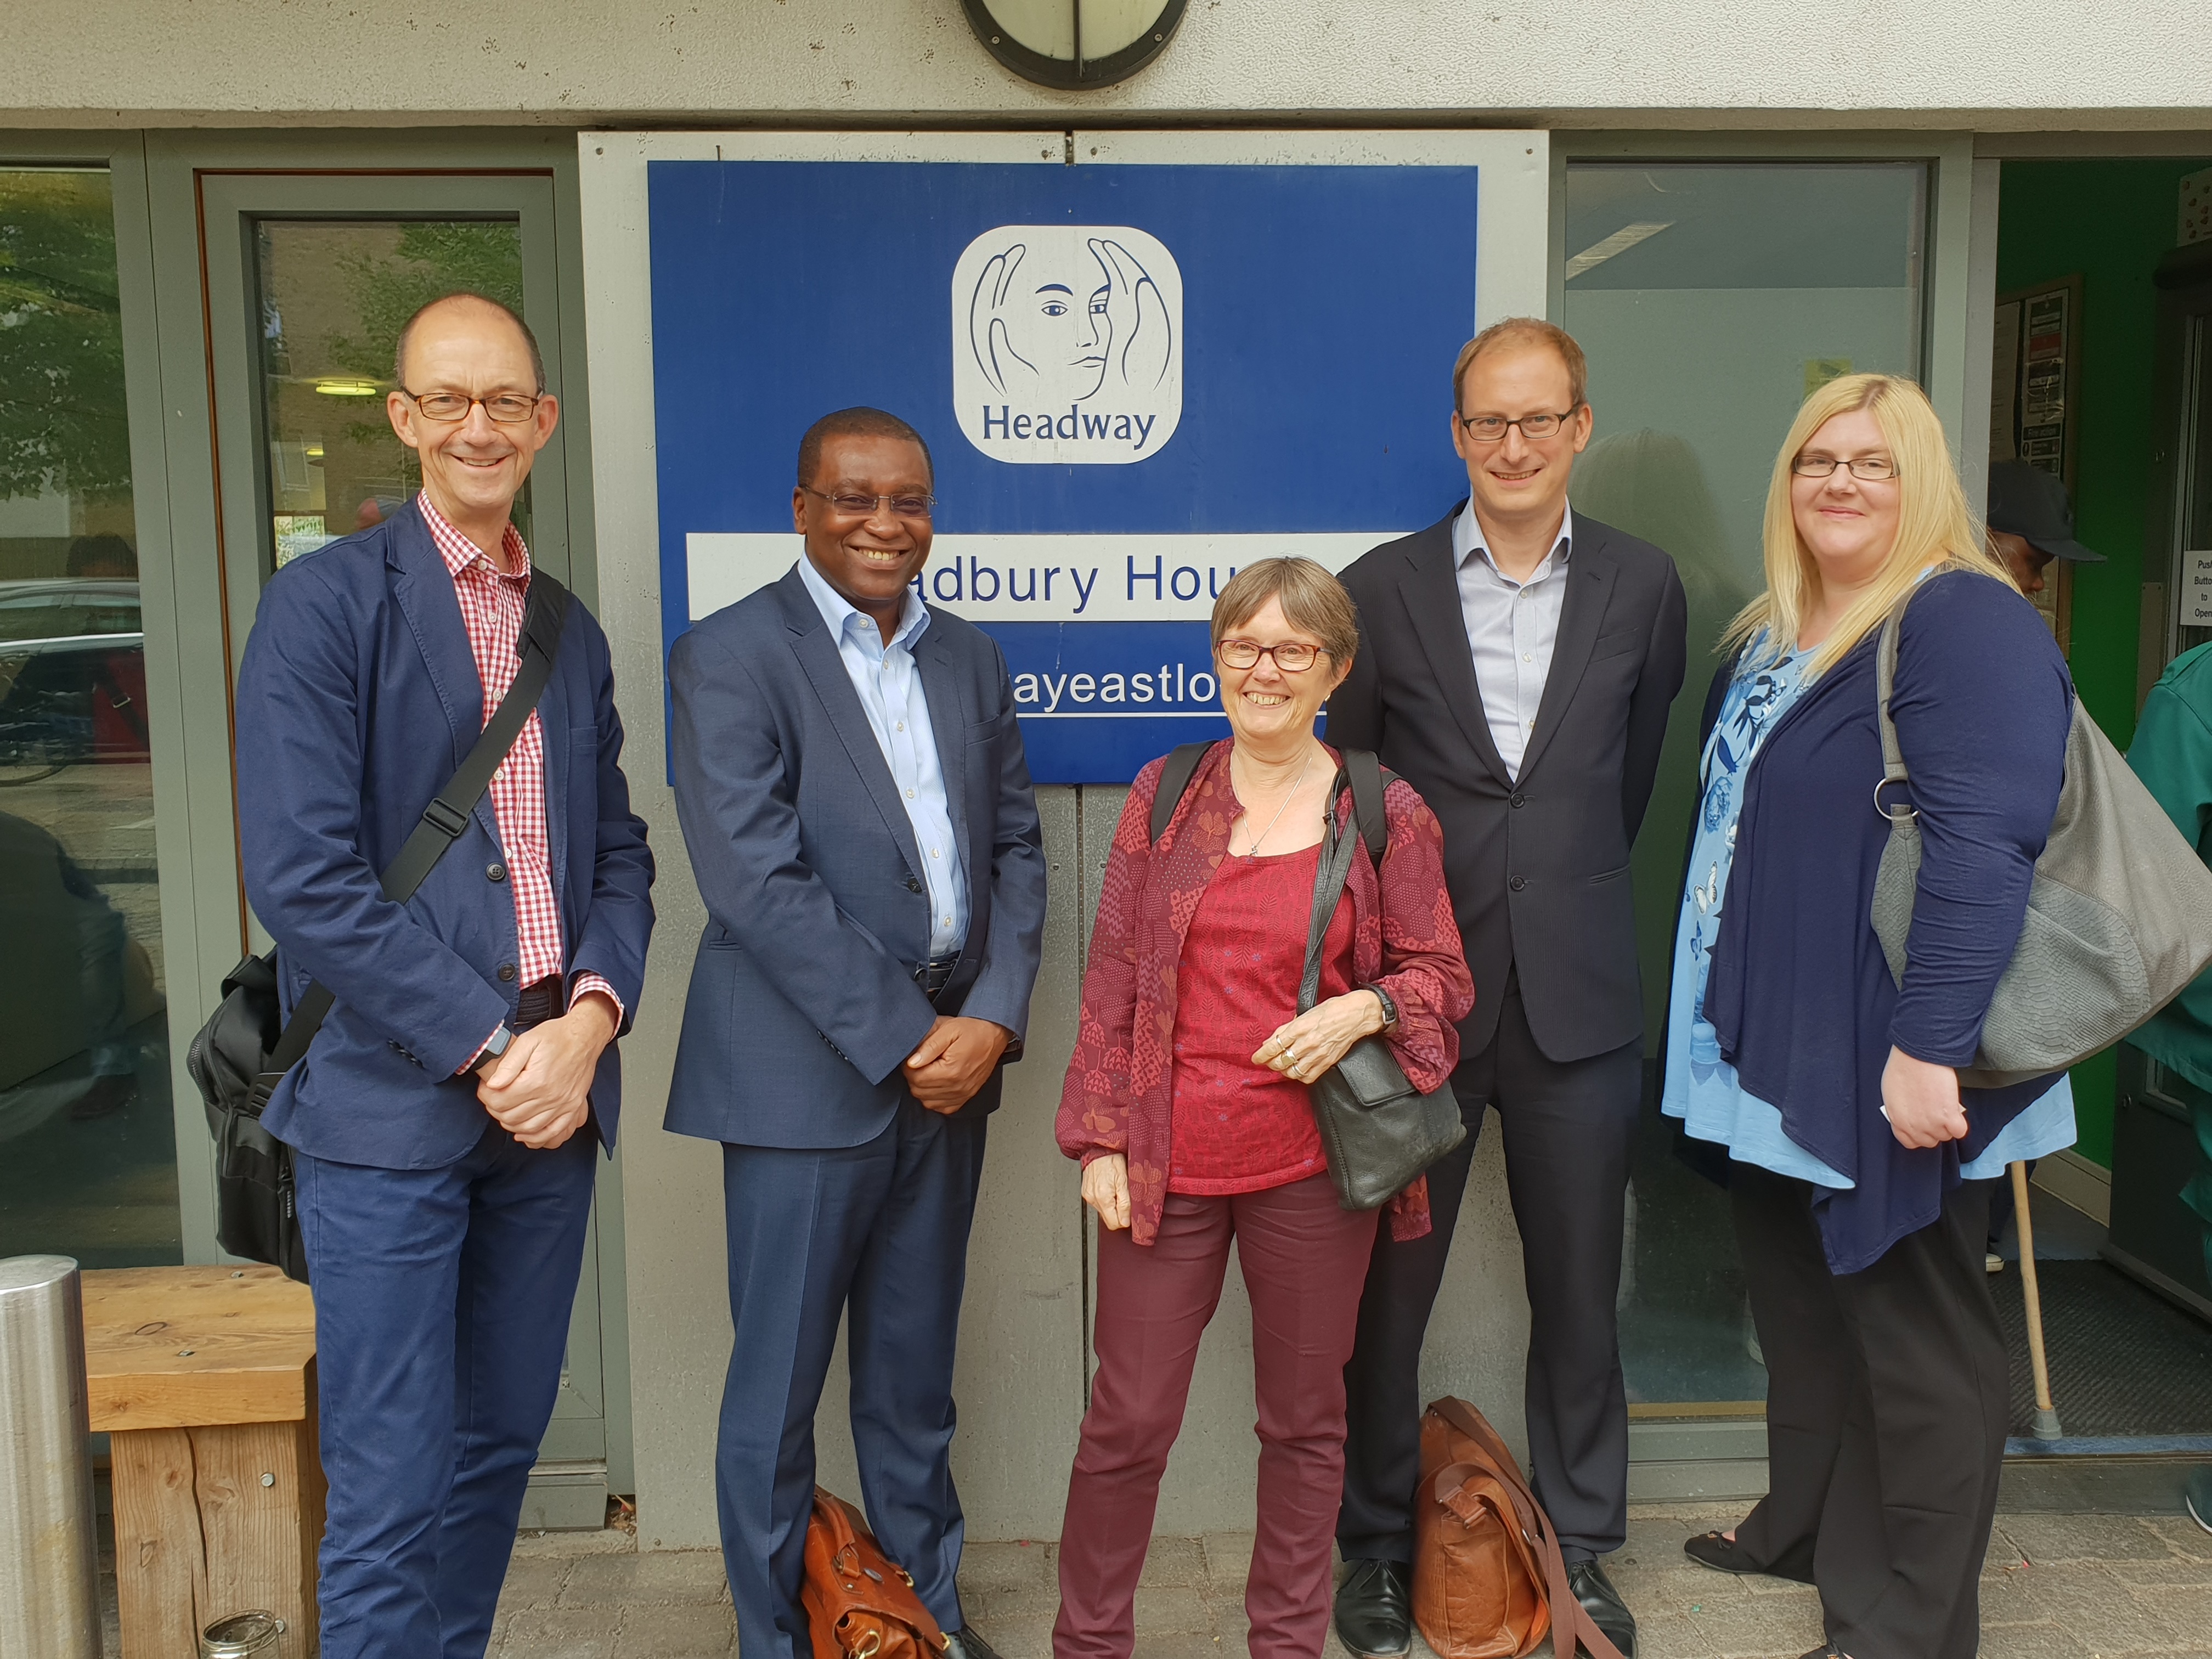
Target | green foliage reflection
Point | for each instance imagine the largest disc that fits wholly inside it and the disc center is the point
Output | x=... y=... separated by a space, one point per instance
x=62 y=424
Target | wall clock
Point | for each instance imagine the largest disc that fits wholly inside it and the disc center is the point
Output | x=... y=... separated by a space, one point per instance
x=1073 y=46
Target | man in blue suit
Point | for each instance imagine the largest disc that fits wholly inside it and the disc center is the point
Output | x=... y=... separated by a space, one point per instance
x=853 y=794
x=444 y=1122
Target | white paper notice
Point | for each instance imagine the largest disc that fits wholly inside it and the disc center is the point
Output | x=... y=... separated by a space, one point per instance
x=2197 y=589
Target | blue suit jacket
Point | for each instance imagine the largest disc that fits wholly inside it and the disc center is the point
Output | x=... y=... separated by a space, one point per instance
x=803 y=1003
x=358 y=698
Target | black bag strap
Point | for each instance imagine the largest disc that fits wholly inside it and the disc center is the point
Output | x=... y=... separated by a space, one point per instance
x=1335 y=865
x=1367 y=775
x=1174 y=779
x=544 y=616
x=1369 y=780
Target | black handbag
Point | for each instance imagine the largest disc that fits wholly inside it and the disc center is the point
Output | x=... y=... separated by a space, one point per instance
x=239 y=1056
x=1377 y=1131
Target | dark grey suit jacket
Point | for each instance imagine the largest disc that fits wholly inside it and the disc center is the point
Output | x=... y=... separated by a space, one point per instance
x=803 y=1003
x=1538 y=867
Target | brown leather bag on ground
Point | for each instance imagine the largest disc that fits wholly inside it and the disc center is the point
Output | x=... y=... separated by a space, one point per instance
x=859 y=1603
x=1488 y=1576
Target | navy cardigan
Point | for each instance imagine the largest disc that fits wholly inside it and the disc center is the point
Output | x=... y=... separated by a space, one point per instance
x=1800 y=994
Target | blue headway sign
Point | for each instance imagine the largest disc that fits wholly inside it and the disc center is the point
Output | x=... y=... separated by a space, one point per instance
x=1134 y=380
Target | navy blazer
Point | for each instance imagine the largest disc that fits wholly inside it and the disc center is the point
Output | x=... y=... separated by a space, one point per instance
x=358 y=699
x=803 y=1004
x=1799 y=994
x=1538 y=864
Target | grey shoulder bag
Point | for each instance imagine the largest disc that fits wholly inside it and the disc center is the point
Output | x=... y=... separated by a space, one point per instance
x=2120 y=915
x=1377 y=1131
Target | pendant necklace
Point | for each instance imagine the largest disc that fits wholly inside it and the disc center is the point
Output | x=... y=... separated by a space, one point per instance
x=1252 y=851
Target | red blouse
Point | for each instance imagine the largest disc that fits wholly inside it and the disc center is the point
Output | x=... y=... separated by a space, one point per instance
x=1118 y=1094
x=1236 y=1127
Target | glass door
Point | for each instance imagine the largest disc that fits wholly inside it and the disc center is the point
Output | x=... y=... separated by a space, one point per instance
x=310 y=279
x=2183 y=488
x=87 y=1144
x=1711 y=298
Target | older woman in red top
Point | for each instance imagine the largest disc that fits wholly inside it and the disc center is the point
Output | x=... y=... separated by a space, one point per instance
x=1185 y=1101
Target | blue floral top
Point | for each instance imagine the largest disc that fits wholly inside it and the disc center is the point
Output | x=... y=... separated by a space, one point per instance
x=1700 y=1087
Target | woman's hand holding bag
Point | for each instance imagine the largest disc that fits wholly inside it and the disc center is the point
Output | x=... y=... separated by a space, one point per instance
x=1313 y=1043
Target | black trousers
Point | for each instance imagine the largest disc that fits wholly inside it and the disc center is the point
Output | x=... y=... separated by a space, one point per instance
x=1568 y=1127
x=1886 y=1411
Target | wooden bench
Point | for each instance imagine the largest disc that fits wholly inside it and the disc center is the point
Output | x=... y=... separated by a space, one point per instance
x=203 y=1378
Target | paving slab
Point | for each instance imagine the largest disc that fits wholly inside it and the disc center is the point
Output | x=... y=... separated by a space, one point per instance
x=2056 y=1586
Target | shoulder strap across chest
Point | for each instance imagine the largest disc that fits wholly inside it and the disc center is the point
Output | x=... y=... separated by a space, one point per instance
x=1368 y=777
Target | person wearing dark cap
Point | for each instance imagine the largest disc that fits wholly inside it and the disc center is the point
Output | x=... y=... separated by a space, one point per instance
x=2031 y=523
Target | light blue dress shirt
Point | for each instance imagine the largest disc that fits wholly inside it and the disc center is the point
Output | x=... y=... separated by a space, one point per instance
x=1701 y=1088
x=889 y=687
x=1512 y=628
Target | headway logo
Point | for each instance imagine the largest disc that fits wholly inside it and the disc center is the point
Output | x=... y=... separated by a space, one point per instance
x=1067 y=344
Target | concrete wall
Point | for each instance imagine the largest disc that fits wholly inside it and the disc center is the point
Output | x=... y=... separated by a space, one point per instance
x=1921 y=63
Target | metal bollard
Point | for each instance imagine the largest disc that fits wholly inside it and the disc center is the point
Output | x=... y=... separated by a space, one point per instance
x=49 y=1543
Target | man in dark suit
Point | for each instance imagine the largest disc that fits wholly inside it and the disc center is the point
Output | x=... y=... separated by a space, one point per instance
x=1516 y=666
x=852 y=791
x=444 y=1122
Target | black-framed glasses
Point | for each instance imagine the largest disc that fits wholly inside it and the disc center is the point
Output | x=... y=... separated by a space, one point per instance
x=503 y=408
x=1489 y=429
x=1872 y=468
x=1291 y=656
x=853 y=503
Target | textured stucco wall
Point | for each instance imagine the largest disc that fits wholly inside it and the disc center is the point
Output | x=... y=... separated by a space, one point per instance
x=2000 y=64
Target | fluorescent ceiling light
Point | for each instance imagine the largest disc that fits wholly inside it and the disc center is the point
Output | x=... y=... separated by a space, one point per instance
x=1620 y=242
x=347 y=388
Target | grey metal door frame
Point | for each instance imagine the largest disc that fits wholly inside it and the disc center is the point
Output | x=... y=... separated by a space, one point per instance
x=185 y=202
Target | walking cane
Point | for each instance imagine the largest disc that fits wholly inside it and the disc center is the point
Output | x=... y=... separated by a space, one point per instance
x=2046 y=1414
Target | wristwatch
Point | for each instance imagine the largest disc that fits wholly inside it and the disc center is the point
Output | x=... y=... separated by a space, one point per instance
x=1389 y=1008
x=494 y=1049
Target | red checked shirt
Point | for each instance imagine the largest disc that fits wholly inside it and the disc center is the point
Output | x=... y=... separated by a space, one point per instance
x=492 y=603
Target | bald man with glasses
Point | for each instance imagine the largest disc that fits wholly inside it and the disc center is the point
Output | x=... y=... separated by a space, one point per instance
x=445 y=1122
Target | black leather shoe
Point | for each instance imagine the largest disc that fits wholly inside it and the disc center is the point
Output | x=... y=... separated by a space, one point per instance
x=1602 y=1602
x=1374 y=1609
x=965 y=1644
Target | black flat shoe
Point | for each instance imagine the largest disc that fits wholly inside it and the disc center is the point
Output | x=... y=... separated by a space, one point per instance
x=1374 y=1609
x=1722 y=1554
x=965 y=1644
x=1602 y=1602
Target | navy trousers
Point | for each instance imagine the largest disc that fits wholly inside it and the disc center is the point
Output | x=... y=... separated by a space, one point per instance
x=442 y=1317
x=879 y=1233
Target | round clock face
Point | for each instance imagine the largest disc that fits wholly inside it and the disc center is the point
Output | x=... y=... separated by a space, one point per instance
x=1074 y=44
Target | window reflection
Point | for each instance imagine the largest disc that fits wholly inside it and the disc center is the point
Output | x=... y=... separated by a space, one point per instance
x=88 y=1150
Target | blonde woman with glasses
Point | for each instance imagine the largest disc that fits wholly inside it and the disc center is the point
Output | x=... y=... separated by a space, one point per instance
x=1859 y=1170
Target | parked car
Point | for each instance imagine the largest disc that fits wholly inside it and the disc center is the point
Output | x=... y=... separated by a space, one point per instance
x=72 y=674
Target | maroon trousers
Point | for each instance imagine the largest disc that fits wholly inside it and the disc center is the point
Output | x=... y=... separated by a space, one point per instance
x=1304 y=1261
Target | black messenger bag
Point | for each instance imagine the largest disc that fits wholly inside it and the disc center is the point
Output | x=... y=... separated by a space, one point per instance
x=239 y=1056
x=1377 y=1131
